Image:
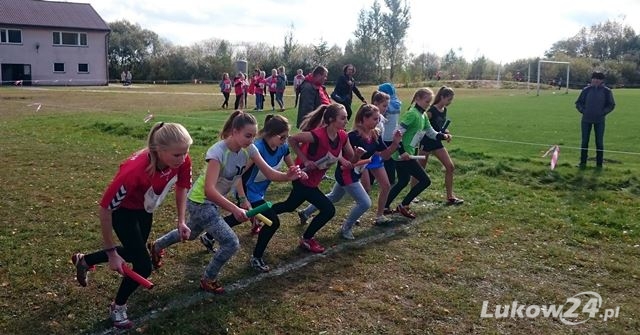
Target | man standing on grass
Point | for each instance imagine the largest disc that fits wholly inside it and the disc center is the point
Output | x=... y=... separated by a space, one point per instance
x=594 y=103
x=312 y=93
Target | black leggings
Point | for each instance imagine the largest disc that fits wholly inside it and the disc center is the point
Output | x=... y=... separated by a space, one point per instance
x=266 y=233
x=132 y=226
x=406 y=170
x=273 y=95
x=313 y=195
x=225 y=104
x=237 y=103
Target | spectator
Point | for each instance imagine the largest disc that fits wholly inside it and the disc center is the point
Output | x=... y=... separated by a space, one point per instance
x=345 y=88
x=312 y=93
x=594 y=103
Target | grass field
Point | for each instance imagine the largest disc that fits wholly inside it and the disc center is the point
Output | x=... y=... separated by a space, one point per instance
x=525 y=233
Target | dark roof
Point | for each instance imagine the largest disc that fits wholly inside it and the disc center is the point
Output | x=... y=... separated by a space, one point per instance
x=50 y=14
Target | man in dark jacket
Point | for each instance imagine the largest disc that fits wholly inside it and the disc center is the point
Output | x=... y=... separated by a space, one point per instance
x=594 y=103
x=312 y=93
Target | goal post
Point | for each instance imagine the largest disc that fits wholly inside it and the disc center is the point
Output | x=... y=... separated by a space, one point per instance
x=554 y=62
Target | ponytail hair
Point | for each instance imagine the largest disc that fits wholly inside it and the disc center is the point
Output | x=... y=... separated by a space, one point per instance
x=443 y=92
x=274 y=125
x=236 y=121
x=325 y=114
x=420 y=93
x=162 y=136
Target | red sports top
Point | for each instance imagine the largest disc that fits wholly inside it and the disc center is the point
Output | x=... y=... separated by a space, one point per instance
x=323 y=152
x=133 y=188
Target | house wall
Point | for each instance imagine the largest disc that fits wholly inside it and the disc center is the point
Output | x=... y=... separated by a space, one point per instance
x=42 y=58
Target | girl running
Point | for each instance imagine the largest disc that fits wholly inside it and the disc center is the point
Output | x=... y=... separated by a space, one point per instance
x=367 y=142
x=437 y=114
x=127 y=207
x=414 y=125
x=226 y=161
x=322 y=143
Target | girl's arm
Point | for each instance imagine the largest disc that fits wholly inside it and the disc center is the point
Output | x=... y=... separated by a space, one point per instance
x=289 y=161
x=294 y=144
x=181 y=207
x=397 y=137
x=242 y=196
x=212 y=194
x=292 y=174
x=106 y=227
x=349 y=154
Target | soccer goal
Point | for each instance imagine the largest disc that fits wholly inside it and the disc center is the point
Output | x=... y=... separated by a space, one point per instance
x=566 y=82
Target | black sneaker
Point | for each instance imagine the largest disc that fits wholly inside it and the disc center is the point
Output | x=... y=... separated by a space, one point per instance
x=259 y=264
x=207 y=242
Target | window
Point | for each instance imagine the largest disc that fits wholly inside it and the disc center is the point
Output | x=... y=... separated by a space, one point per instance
x=58 y=67
x=83 y=68
x=10 y=36
x=73 y=39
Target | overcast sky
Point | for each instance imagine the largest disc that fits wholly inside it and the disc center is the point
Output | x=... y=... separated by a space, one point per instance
x=502 y=31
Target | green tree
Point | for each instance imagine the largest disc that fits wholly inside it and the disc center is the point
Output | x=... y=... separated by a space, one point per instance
x=395 y=26
x=130 y=47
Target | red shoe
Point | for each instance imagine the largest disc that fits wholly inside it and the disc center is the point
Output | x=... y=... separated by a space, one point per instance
x=406 y=212
x=312 y=245
x=255 y=226
x=156 y=255
x=211 y=285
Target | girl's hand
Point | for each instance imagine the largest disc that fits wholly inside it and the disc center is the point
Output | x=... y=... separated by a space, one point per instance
x=345 y=164
x=245 y=204
x=310 y=165
x=294 y=173
x=115 y=261
x=405 y=156
x=397 y=136
x=240 y=214
x=447 y=137
x=359 y=151
x=184 y=231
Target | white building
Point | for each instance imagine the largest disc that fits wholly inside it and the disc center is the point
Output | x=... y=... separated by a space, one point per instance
x=52 y=43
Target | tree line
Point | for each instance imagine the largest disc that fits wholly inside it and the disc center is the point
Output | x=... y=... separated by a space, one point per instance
x=376 y=49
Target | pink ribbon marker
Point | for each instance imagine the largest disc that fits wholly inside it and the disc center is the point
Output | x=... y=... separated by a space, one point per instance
x=555 y=152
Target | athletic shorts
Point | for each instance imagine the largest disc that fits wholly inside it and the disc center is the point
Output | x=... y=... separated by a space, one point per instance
x=376 y=162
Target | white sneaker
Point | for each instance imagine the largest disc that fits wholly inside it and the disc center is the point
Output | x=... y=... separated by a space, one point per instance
x=346 y=233
x=119 y=317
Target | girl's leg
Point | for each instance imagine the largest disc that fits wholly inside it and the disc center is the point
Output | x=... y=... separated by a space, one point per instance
x=236 y=105
x=403 y=180
x=422 y=163
x=365 y=179
x=445 y=159
x=293 y=201
x=362 y=205
x=337 y=192
x=132 y=228
x=266 y=233
x=272 y=95
x=296 y=103
x=325 y=207
x=416 y=171
x=224 y=235
x=383 y=183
